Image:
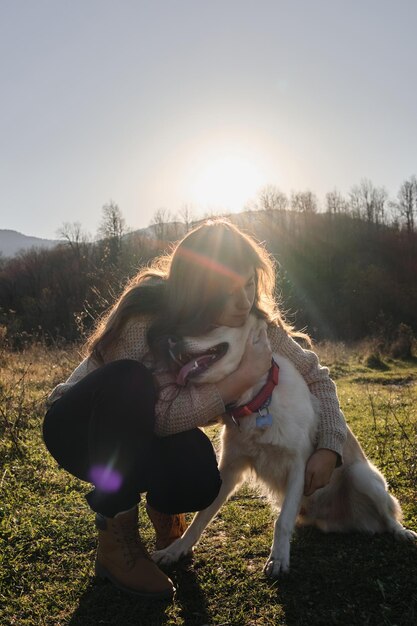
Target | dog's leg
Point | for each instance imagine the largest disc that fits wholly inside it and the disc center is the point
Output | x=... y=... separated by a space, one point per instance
x=279 y=559
x=231 y=474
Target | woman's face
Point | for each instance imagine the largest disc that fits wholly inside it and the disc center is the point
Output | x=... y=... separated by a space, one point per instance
x=239 y=302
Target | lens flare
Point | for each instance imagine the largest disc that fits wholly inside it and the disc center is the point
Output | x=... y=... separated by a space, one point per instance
x=211 y=264
x=105 y=478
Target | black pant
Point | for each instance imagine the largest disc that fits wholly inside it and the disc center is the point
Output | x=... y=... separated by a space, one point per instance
x=102 y=431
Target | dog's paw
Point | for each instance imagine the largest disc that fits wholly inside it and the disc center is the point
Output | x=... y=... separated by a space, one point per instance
x=174 y=553
x=164 y=557
x=405 y=534
x=275 y=567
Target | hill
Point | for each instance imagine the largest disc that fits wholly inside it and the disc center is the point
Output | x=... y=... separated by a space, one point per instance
x=12 y=242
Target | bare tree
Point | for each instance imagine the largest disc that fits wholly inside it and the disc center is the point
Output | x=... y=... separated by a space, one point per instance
x=335 y=202
x=111 y=231
x=186 y=215
x=380 y=200
x=112 y=224
x=159 y=222
x=271 y=198
x=361 y=200
x=355 y=201
x=73 y=235
x=406 y=205
x=368 y=202
x=304 y=202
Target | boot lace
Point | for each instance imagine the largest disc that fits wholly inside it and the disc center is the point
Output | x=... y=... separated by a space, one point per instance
x=128 y=536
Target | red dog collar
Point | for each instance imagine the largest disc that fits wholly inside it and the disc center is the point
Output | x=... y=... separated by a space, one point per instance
x=261 y=397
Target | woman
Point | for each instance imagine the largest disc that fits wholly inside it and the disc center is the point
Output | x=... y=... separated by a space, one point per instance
x=122 y=422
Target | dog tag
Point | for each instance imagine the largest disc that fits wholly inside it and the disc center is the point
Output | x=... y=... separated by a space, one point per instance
x=263 y=421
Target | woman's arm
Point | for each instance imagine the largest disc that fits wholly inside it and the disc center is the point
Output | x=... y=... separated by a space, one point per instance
x=180 y=408
x=177 y=408
x=183 y=408
x=332 y=426
x=85 y=367
x=331 y=433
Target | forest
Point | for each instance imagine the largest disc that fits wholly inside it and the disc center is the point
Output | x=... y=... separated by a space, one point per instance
x=345 y=272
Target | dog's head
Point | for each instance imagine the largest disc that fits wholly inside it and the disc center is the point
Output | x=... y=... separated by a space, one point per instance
x=211 y=357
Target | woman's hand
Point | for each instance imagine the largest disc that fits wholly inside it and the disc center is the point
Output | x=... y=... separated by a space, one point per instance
x=319 y=469
x=255 y=362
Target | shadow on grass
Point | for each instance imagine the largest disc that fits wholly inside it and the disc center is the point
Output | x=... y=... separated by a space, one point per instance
x=103 y=604
x=349 y=580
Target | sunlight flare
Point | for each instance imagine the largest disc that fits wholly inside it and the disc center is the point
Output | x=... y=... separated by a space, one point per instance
x=227 y=182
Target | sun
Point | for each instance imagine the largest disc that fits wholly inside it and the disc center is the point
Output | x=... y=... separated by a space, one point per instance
x=226 y=181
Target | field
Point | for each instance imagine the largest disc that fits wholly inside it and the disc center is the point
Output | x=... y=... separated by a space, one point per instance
x=47 y=536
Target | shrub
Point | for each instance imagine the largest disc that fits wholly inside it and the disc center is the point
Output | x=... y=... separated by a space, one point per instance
x=374 y=361
x=402 y=345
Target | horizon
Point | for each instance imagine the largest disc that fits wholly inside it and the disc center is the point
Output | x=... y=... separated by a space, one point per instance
x=158 y=106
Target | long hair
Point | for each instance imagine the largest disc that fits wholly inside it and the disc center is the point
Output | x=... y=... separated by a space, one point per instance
x=185 y=291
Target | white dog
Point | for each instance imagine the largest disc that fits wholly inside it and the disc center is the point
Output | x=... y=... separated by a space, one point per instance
x=275 y=454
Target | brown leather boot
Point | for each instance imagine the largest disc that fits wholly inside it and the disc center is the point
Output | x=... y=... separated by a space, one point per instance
x=123 y=559
x=168 y=528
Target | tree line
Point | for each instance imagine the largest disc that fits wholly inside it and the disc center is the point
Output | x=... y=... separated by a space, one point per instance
x=343 y=273
x=365 y=201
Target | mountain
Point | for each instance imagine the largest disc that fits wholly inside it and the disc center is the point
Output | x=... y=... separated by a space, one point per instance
x=11 y=242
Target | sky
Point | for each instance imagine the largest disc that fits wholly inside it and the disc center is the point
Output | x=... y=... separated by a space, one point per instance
x=162 y=104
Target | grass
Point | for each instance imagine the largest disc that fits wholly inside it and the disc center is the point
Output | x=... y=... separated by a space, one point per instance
x=47 y=535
